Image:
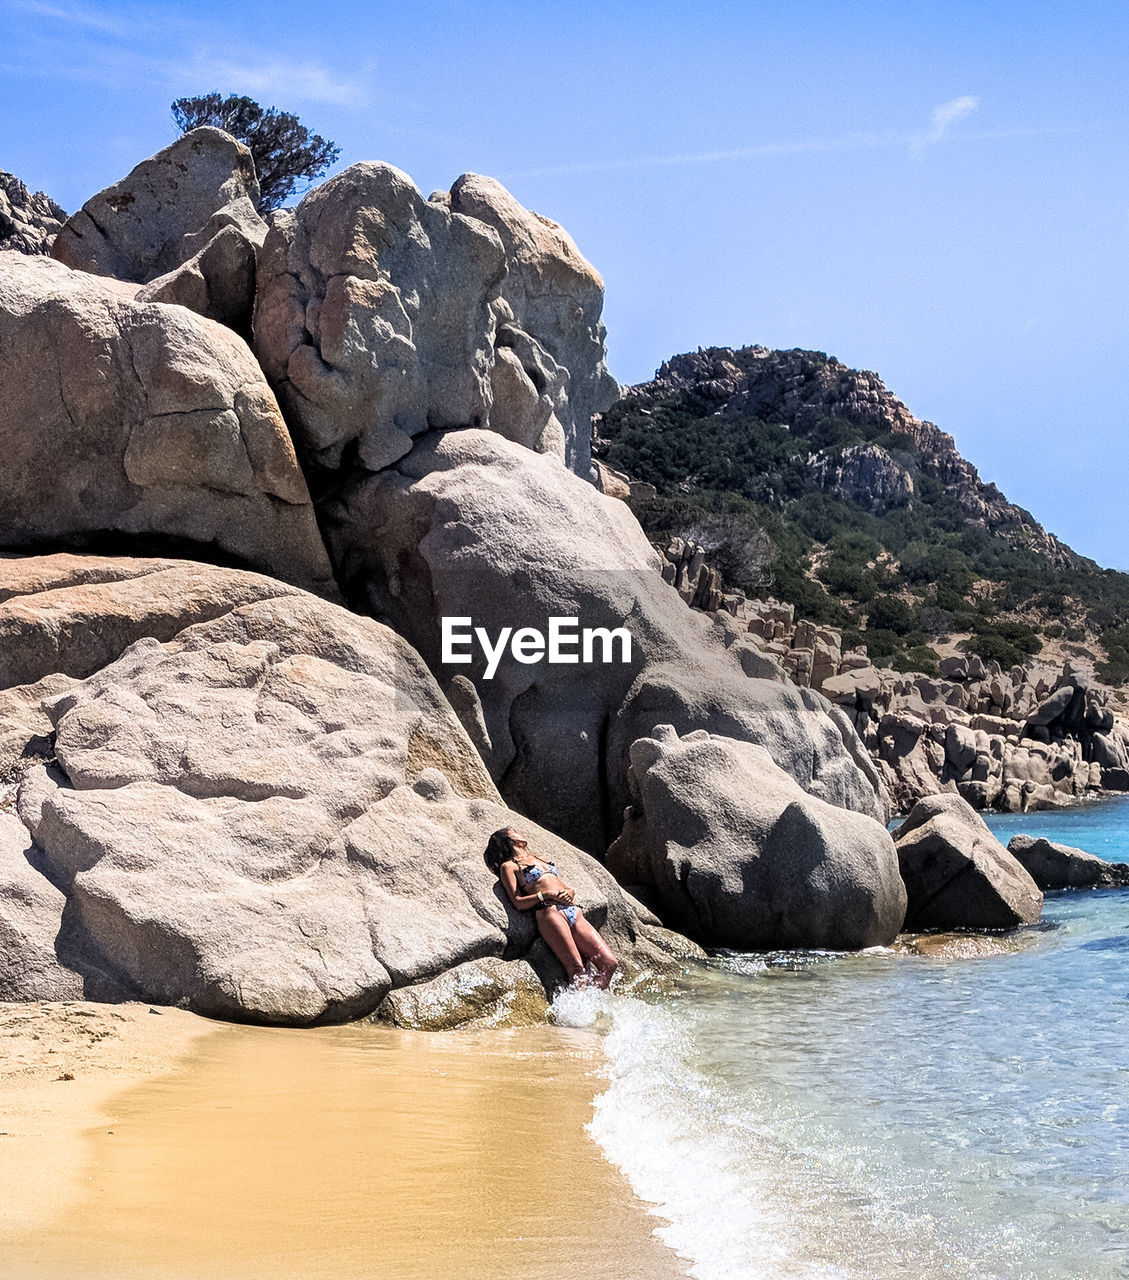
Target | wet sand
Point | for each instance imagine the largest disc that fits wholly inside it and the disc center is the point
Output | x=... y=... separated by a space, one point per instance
x=348 y=1152
x=59 y=1065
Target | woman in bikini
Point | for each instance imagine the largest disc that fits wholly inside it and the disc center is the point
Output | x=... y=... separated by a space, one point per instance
x=532 y=882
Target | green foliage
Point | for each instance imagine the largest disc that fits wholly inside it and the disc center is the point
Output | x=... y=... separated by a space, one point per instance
x=935 y=622
x=994 y=648
x=702 y=456
x=889 y=613
x=880 y=644
x=1008 y=642
x=1115 y=642
x=920 y=658
x=288 y=157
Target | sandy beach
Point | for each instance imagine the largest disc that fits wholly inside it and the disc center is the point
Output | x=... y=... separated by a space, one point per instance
x=182 y=1148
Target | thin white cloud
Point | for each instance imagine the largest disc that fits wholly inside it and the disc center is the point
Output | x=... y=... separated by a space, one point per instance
x=768 y=150
x=295 y=79
x=71 y=23
x=76 y=15
x=75 y=41
x=941 y=120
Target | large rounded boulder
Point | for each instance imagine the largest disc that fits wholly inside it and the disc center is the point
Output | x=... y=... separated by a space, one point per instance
x=130 y=423
x=267 y=812
x=738 y=855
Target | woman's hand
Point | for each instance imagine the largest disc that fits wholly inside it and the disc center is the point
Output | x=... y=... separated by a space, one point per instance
x=562 y=897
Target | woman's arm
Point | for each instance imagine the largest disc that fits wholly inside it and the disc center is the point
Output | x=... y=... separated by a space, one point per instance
x=521 y=901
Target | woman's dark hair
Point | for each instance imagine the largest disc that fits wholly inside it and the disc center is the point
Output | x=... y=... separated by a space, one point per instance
x=499 y=849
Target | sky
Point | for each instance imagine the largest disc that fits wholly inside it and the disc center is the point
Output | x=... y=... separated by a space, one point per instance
x=935 y=191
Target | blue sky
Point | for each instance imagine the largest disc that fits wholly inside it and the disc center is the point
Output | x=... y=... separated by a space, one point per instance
x=939 y=192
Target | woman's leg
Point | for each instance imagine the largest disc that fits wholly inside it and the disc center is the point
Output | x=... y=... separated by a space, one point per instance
x=554 y=929
x=592 y=947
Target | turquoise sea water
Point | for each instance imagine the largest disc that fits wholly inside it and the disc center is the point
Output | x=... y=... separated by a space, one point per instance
x=889 y=1115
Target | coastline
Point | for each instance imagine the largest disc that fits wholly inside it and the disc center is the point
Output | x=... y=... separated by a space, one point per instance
x=193 y=1149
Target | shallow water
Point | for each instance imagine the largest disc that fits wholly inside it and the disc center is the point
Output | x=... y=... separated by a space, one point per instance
x=888 y=1115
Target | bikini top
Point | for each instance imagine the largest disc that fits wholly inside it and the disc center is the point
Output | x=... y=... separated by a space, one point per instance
x=531 y=874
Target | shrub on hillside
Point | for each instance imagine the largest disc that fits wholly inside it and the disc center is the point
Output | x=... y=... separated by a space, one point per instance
x=888 y=613
x=920 y=658
x=880 y=644
x=1115 y=668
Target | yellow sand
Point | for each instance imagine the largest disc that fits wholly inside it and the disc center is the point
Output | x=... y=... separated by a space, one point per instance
x=348 y=1152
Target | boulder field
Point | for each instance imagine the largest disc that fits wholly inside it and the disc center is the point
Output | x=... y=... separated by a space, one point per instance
x=1035 y=736
x=220 y=788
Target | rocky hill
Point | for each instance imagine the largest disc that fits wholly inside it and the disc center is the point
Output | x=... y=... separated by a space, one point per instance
x=812 y=483
x=871 y=563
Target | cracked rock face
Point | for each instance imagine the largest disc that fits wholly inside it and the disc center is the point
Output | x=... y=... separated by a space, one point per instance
x=550 y=349
x=373 y=319
x=865 y=474
x=382 y=315
x=259 y=806
x=123 y=420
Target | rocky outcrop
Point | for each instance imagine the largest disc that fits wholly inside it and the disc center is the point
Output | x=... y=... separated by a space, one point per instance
x=469 y=525
x=262 y=809
x=135 y=230
x=549 y=357
x=124 y=421
x=864 y=474
x=1060 y=866
x=957 y=874
x=29 y=222
x=382 y=315
x=183 y=223
x=1032 y=737
x=739 y=856
x=373 y=319
x=697 y=582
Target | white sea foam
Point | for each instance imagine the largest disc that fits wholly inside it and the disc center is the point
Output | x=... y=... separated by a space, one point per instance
x=752 y=1182
x=681 y=1150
